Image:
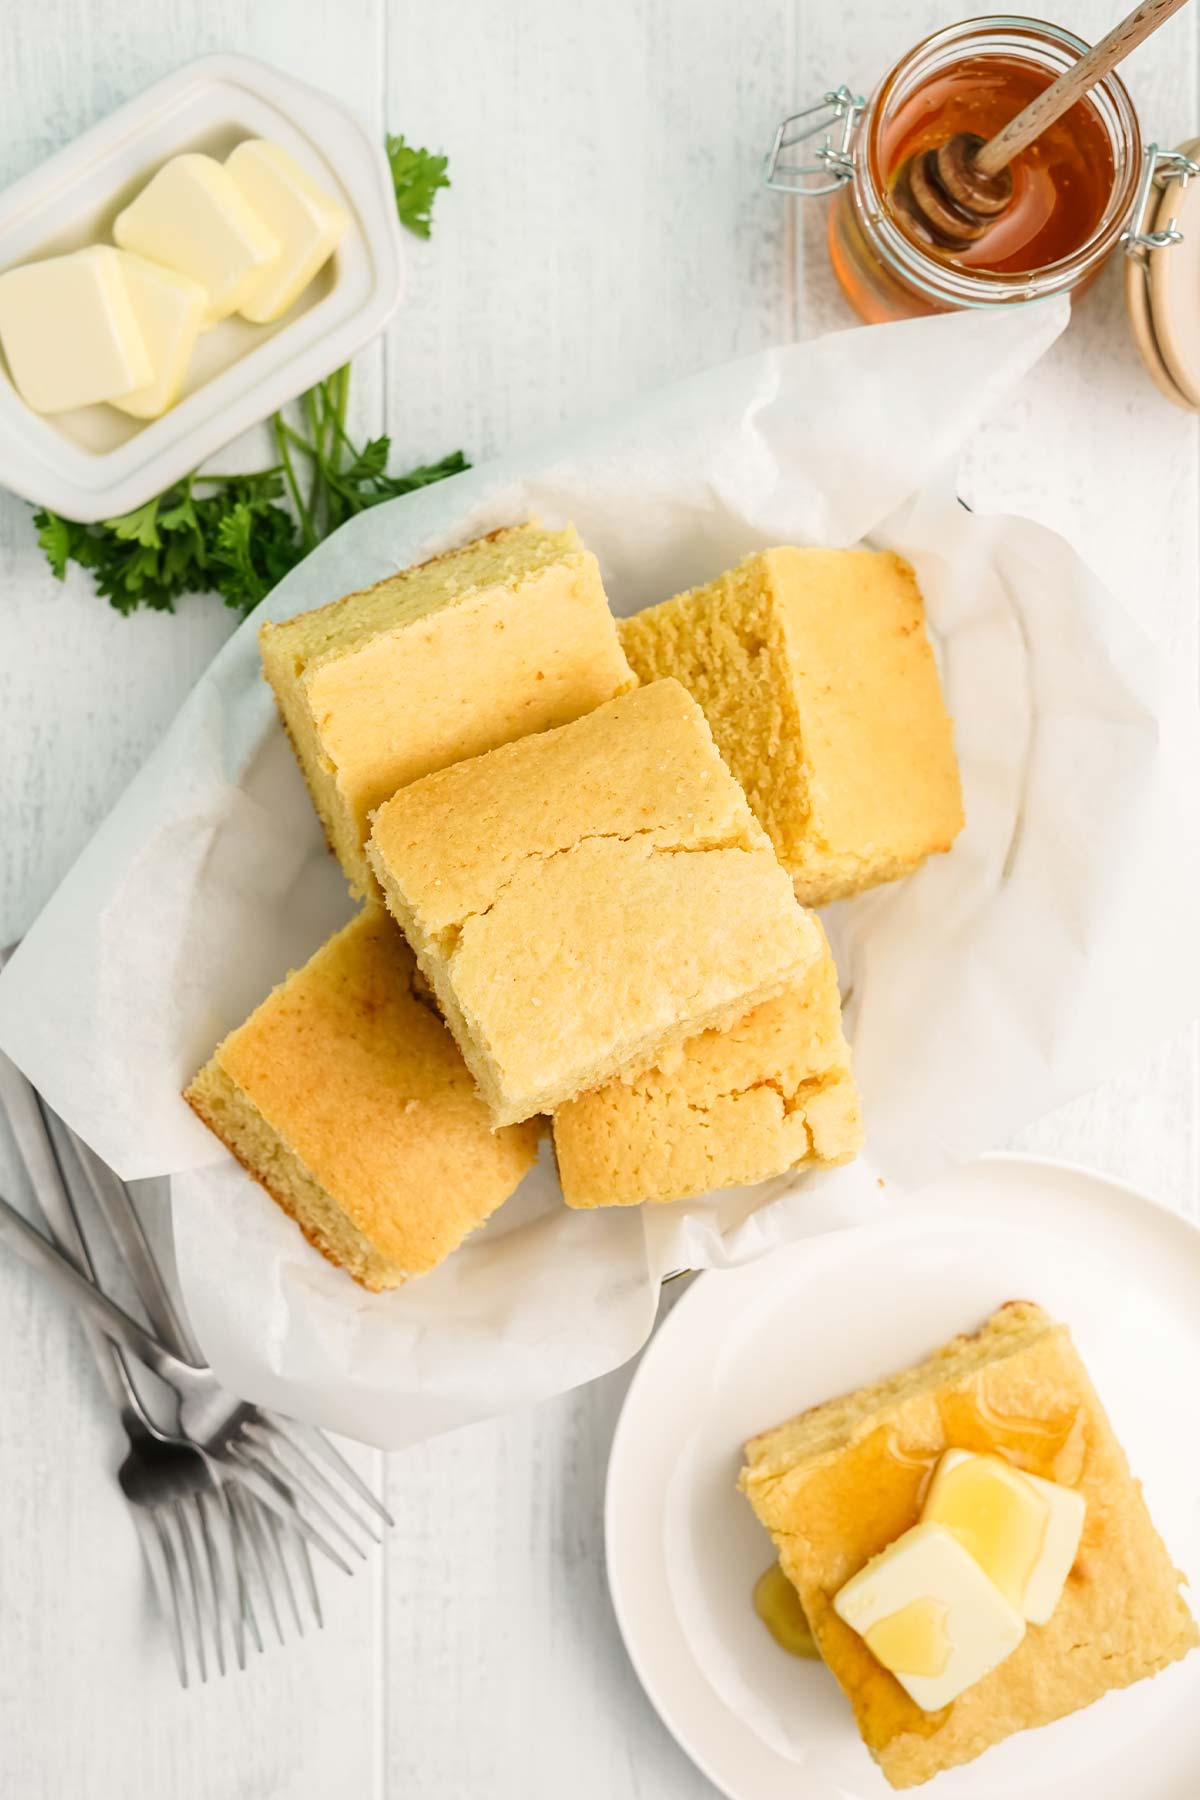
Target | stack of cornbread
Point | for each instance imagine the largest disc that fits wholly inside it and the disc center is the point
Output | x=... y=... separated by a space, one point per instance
x=586 y=852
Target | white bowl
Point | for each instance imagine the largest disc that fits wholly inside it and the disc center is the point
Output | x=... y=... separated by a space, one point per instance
x=95 y=462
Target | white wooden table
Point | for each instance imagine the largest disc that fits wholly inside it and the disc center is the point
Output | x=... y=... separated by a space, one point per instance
x=606 y=231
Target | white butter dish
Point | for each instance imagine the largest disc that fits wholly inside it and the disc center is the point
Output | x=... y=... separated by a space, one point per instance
x=95 y=462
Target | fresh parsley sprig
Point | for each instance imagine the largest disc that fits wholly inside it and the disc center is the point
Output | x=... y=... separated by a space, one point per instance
x=239 y=535
x=226 y=534
x=416 y=176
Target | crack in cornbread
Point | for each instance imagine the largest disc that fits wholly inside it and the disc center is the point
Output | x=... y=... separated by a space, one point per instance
x=345 y=1098
x=837 y=1484
x=447 y=939
x=581 y=899
x=772 y=1093
x=508 y=635
x=816 y=674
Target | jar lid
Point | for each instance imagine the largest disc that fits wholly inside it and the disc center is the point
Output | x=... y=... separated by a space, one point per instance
x=1137 y=300
x=1163 y=292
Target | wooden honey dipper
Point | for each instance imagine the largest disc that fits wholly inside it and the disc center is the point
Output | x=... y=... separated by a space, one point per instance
x=958 y=190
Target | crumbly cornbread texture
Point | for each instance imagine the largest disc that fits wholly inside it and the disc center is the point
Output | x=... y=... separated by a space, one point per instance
x=837 y=1484
x=585 y=898
x=508 y=635
x=772 y=1092
x=816 y=674
x=343 y=1094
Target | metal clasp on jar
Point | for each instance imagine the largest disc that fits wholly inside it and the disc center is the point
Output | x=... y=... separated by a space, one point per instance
x=1158 y=168
x=832 y=164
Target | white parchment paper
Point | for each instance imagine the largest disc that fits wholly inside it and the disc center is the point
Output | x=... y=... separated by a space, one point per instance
x=1050 y=948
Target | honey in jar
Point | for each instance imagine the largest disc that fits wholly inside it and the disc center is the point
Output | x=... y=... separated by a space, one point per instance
x=1061 y=182
x=1074 y=187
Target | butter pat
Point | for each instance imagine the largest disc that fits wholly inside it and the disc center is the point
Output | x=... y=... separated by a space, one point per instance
x=169 y=309
x=307 y=221
x=194 y=218
x=69 y=331
x=1022 y=1531
x=930 y=1615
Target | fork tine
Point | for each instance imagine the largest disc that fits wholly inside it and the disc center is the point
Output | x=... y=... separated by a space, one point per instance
x=310 y=1580
x=290 y=1476
x=280 y=1444
x=277 y=1496
x=216 y=1578
x=237 y=1501
x=179 y=1511
x=307 y=1437
x=208 y=1586
x=227 y=1566
x=171 y=1563
x=274 y=1532
x=254 y=1531
x=158 y=1564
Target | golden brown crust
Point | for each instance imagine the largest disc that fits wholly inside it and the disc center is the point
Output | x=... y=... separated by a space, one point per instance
x=375 y=1283
x=291 y=738
x=344 y=1096
x=332 y=606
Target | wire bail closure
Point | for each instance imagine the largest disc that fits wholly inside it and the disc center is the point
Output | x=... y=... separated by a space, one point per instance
x=832 y=165
x=1158 y=168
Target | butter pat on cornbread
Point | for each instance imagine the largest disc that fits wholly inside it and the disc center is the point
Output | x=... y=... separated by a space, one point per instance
x=509 y=635
x=772 y=1092
x=816 y=674
x=1023 y=1532
x=840 y=1483
x=583 y=899
x=930 y=1616
x=344 y=1096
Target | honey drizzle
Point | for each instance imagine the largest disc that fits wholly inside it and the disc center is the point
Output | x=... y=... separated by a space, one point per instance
x=896 y=1471
x=778 y=1606
x=1053 y=1447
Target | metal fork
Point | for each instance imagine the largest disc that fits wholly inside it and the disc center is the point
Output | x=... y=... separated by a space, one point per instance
x=175 y=1499
x=260 y=1446
x=278 y=1485
x=263 y=1544
x=257 y=1542
x=275 y=1459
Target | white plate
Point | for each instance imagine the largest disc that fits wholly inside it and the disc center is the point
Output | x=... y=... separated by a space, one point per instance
x=96 y=461
x=745 y=1348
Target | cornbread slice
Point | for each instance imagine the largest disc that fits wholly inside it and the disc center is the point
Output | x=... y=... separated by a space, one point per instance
x=344 y=1096
x=839 y=1483
x=505 y=636
x=585 y=898
x=773 y=1092
x=815 y=672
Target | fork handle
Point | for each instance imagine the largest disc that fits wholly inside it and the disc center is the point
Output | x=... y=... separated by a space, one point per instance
x=120 y=1215
x=19 y=1235
x=28 y=1127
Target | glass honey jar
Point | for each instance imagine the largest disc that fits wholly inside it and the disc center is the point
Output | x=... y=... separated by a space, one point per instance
x=1081 y=189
